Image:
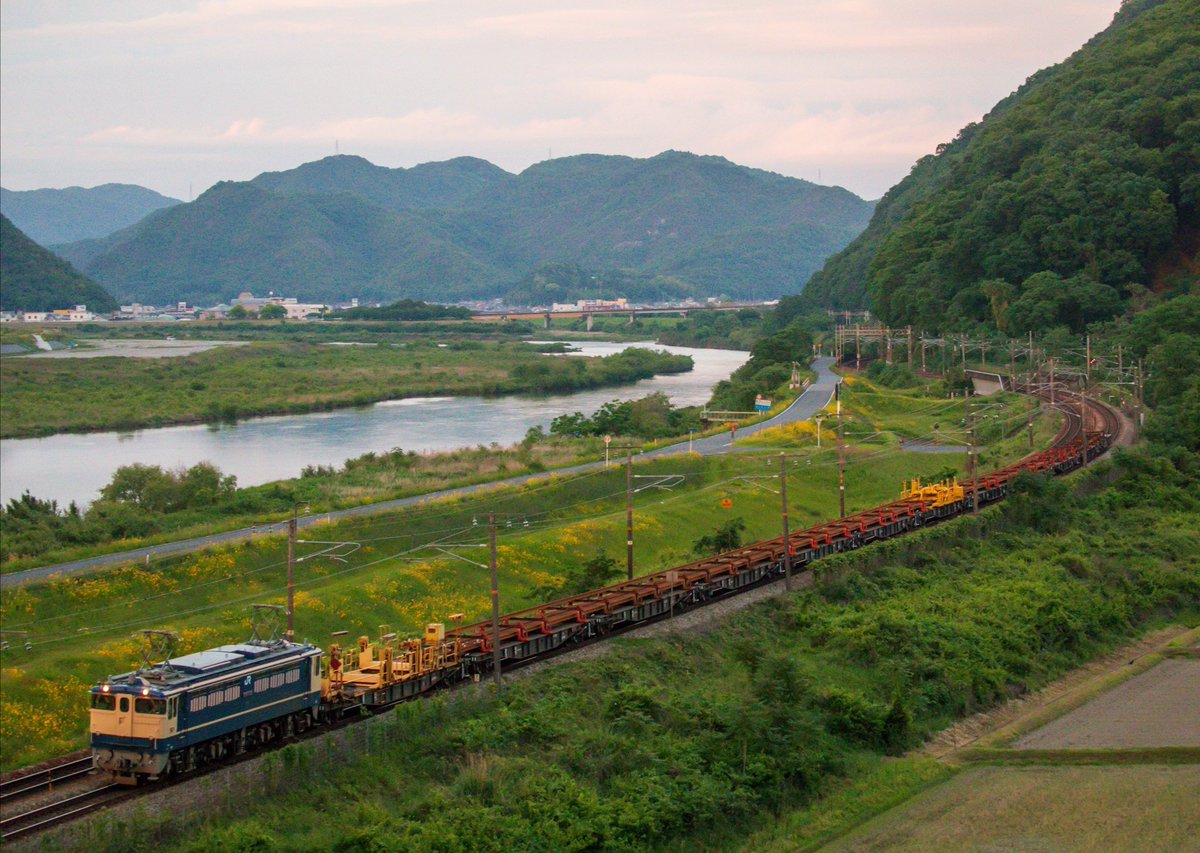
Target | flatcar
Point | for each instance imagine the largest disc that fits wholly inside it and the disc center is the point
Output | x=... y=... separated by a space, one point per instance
x=183 y=712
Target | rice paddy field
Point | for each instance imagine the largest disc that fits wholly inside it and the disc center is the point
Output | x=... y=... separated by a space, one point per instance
x=1147 y=807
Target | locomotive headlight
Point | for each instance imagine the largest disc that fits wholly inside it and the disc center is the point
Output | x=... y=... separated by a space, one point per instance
x=145 y=691
x=104 y=688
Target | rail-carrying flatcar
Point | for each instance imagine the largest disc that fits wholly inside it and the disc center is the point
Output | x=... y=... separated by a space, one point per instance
x=171 y=716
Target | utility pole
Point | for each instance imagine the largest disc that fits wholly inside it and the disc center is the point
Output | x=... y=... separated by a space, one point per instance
x=495 y=601
x=971 y=456
x=291 y=564
x=1087 y=370
x=1051 y=384
x=629 y=513
x=841 y=455
x=787 y=544
x=1032 y=408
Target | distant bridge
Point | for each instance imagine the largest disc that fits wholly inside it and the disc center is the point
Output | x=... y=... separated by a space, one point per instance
x=632 y=313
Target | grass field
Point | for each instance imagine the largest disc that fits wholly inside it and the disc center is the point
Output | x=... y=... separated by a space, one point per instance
x=279 y=377
x=1149 y=807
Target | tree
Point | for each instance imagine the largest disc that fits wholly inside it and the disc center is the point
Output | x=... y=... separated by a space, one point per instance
x=238 y=312
x=725 y=538
x=272 y=311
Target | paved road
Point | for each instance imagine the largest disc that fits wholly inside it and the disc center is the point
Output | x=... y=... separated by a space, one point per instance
x=814 y=398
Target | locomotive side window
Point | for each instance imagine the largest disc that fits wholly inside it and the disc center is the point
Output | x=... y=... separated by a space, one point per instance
x=316 y=666
x=124 y=704
x=172 y=707
x=104 y=701
x=150 y=706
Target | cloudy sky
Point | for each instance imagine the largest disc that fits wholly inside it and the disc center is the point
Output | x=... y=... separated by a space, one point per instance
x=178 y=94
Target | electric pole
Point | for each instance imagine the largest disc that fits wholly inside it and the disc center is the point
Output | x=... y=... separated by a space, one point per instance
x=495 y=601
x=1032 y=408
x=841 y=454
x=629 y=513
x=291 y=564
x=787 y=544
x=971 y=456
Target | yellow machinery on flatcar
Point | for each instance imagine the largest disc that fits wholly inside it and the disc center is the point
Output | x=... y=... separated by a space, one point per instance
x=935 y=495
x=374 y=665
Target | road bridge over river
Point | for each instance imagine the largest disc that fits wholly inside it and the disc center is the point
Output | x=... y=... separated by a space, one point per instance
x=814 y=398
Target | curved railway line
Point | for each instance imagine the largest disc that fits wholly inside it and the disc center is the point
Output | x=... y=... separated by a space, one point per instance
x=1089 y=429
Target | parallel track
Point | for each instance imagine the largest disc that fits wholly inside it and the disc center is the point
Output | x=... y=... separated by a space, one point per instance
x=1096 y=429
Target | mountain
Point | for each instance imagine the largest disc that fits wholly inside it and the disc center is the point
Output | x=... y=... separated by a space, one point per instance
x=1071 y=198
x=63 y=216
x=239 y=236
x=344 y=227
x=428 y=185
x=34 y=279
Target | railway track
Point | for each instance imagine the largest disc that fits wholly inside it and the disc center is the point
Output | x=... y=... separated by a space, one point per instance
x=61 y=810
x=1089 y=429
x=17 y=788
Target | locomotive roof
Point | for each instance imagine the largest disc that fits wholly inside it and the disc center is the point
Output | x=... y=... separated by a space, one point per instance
x=175 y=672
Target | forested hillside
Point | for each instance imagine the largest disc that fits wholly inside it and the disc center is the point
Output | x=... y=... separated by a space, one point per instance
x=428 y=185
x=343 y=227
x=35 y=279
x=50 y=216
x=1072 y=200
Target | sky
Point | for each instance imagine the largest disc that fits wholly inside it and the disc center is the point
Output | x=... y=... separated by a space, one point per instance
x=176 y=95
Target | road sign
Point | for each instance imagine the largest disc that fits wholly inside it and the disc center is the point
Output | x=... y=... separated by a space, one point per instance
x=762 y=404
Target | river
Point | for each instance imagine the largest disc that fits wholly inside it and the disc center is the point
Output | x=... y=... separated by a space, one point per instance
x=74 y=467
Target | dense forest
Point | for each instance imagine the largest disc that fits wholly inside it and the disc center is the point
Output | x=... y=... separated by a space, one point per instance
x=1076 y=198
x=35 y=279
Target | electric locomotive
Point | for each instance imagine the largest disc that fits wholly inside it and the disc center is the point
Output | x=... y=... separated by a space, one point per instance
x=186 y=711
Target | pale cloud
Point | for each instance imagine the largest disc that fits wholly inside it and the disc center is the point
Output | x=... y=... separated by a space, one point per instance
x=169 y=93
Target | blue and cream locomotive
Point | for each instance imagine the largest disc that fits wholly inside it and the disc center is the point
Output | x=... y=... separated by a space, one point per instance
x=187 y=711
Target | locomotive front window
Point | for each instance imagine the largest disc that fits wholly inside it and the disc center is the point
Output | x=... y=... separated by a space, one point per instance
x=124 y=704
x=150 y=706
x=104 y=701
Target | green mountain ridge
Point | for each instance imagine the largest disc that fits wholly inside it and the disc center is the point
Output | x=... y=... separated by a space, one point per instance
x=428 y=185
x=35 y=279
x=50 y=216
x=461 y=229
x=1073 y=197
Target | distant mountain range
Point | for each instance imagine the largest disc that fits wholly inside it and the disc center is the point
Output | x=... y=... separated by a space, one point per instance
x=63 y=216
x=464 y=228
x=35 y=279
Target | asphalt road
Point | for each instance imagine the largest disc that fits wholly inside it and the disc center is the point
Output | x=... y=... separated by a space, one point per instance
x=814 y=398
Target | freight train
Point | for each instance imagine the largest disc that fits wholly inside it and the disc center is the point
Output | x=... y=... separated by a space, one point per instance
x=177 y=715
